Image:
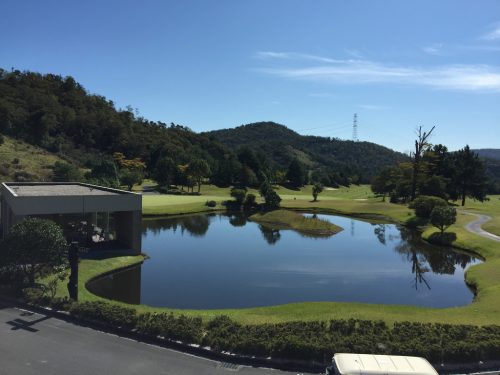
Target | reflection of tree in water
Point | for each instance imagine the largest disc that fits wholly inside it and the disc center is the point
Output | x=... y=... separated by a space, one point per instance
x=238 y=219
x=270 y=235
x=195 y=225
x=422 y=255
x=380 y=233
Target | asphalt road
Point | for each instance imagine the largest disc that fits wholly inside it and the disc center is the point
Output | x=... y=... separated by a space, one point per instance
x=31 y=343
x=475 y=227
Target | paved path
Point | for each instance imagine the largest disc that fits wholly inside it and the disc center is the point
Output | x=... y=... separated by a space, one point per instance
x=31 y=343
x=475 y=227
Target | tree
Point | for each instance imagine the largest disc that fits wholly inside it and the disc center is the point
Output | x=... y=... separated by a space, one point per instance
x=165 y=171
x=470 y=178
x=442 y=217
x=296 y=174
x=104 y=173
x=272 y=200
x=249 y=200
x=423 y=205
x=247 y=176
x=64 y=172
x=198 y=169
x=317 y=189
x=421 y=144
x=35 y=245
x=383 y=183
x=131 y=177
x=239 y=195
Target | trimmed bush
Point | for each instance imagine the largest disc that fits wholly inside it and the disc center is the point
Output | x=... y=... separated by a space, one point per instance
x=423 y=205
x=109 y=313
x=238 y=195
x=211 y=203
x=186 y=329
x=319 y=340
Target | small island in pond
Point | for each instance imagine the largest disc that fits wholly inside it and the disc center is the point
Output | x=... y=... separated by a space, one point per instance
x=283 y=219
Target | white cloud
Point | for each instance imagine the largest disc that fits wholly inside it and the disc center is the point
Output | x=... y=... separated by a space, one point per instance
x=322 y=95
x=372 y=107
x=493 y=34
x=266 y=55
x=433 y=49
x=449 y=77
x=354 y=53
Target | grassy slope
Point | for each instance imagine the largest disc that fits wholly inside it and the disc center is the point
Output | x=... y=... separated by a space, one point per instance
x=33 y=160
x=485 y=310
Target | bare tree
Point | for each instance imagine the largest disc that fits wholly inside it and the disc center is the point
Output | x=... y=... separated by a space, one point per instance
x=421 y=144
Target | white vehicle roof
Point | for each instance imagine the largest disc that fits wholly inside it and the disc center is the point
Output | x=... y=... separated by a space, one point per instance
x=369 y=364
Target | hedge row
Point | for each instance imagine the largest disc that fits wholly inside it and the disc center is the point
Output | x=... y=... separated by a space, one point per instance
x=309 y=340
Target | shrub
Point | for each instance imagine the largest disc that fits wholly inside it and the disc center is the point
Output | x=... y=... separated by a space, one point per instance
x=250 y=200
x=4 y=171
x=423 y=205
x=109 y=313
x=23 y=176
x=64 y=172
x=238 y=195
x=2 y=139
x=37 y=244
x=187 y=329
x=211 y=203
x=35 y=295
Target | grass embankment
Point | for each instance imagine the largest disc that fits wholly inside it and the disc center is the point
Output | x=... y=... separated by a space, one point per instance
x=20 y=160
x=486 y=277
x=283 y=219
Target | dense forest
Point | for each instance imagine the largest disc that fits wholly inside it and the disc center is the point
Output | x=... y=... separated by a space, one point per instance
x=89 y=133
x=358 y=160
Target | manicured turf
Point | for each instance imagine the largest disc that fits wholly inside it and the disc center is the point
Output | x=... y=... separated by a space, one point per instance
x=485 y=276
x=170 y=204
x=491 y=208
x=178 y=204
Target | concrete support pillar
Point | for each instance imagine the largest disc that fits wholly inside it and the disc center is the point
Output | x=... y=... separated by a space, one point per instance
x=106 y=227
x=128 y=229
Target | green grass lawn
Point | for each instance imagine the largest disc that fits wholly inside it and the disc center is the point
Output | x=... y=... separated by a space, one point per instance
x=170 y=204
x=491 y=208
x=485 y=276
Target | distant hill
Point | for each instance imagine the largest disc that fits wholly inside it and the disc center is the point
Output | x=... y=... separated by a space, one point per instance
x=489 y=153
x=281 y=144
x=57 y=114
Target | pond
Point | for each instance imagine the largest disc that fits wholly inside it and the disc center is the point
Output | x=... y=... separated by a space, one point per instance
x=226 y=261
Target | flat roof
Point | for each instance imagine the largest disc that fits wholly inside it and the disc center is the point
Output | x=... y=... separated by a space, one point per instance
x=369 y=364
x=56 y=189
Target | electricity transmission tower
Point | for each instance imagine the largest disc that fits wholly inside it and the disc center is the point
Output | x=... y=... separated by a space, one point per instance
x=355 y=128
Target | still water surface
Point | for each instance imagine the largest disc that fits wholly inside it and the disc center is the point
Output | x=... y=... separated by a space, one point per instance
x=225 y=261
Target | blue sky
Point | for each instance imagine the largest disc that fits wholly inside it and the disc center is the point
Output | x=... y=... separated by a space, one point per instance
x=307 y=64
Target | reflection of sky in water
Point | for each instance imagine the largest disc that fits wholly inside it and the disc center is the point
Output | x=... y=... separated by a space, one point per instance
x=205 y=262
